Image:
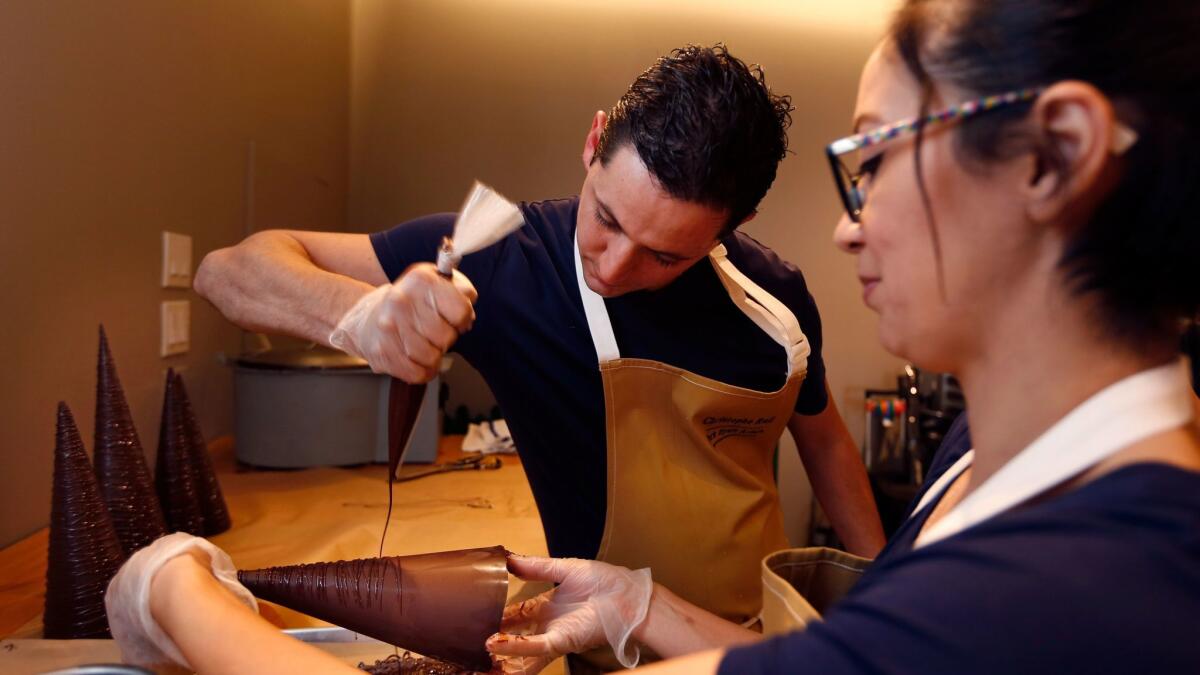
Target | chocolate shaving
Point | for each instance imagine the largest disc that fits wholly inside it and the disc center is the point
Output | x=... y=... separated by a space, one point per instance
x=411 y=664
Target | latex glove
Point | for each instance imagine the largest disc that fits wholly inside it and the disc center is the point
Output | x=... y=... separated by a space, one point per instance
x=595 y=603
x=404 y=328
x=141 y=640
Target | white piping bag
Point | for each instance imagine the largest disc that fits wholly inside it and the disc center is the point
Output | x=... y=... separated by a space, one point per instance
x=486 y=218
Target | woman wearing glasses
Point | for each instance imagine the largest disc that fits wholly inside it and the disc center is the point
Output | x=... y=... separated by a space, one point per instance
x=1033 y=229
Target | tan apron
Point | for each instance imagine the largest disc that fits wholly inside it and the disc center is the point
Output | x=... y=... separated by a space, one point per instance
x=691 y=483
x=801 y=584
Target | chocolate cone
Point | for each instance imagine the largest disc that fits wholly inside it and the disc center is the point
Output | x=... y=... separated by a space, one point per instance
x=84 y=551
x=443 y=605
x=120 y=462
x=173 y=472
x=204 y=478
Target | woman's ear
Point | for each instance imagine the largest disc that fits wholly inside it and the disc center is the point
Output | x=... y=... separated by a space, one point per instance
x=1076 y=130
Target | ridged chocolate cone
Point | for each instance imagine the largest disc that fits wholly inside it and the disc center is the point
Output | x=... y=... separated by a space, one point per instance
x=173 y=472
x=443 y=605
x=204 y=478
x=124 y=479
x=84 y=551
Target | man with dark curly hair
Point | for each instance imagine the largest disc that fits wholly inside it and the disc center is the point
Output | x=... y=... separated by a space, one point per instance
x=646 y=355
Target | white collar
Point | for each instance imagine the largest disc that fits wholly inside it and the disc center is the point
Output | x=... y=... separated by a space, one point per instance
x=1135 y=408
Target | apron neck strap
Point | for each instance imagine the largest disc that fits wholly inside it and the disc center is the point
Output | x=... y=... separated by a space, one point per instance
x=768 y=313
x=597 y=314
x=771 y=315
x=1133 y=409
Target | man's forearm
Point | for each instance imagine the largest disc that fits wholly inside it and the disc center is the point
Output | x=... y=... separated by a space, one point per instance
x=838 y=478
x=268 y=283
x=840 y=484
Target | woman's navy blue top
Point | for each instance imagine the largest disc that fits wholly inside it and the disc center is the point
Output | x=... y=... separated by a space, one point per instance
x=1102 y=579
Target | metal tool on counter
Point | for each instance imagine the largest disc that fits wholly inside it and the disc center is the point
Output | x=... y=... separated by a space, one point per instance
x=481 y=462
x=486 y=218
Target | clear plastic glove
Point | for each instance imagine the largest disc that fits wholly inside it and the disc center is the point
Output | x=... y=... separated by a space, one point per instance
x=595 y=603
x=141 y=640
x=404 y=328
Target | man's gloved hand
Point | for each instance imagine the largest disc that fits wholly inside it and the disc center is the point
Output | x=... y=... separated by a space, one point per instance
x=595 y=603
x=404 y=328
x=127 y=601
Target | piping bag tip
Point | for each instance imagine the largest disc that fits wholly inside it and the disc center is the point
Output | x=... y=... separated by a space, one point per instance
x=447 y=258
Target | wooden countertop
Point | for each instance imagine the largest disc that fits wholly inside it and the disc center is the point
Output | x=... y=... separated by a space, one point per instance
x=23 y=581
x=308 y=515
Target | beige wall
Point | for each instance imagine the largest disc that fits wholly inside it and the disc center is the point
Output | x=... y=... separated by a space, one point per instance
x=121 y=119
x=444 y=91
x=125 y=118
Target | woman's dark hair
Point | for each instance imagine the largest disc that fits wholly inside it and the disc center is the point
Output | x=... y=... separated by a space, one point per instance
x=1139 y=252
x=706 y=126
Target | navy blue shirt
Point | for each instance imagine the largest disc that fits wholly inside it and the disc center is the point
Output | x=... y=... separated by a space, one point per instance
x=531 y=343
x=1103 y=579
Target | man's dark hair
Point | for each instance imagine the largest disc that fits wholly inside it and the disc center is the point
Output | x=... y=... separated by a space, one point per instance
x=706 y=126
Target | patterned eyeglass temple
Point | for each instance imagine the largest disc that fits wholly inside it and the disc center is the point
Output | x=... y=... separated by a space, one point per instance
x=958 y=112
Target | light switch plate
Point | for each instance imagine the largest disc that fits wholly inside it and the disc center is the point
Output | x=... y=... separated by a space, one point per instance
x=177 y=260
x=176 y=324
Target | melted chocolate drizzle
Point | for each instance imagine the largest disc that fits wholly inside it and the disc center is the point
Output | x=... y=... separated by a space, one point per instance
x=84 y=551
x=361 y=583
x=121 y=463
x=444 y=605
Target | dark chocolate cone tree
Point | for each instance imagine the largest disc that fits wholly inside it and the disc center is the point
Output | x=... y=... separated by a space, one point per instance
x=84 y=551
x=124 y=479
x=173 y=471
x=443 y=605
x=204 y=478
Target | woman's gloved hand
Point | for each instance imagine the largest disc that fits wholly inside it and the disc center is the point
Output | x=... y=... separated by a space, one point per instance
x=404 y=328
x=141 y=640
x=595 y=603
